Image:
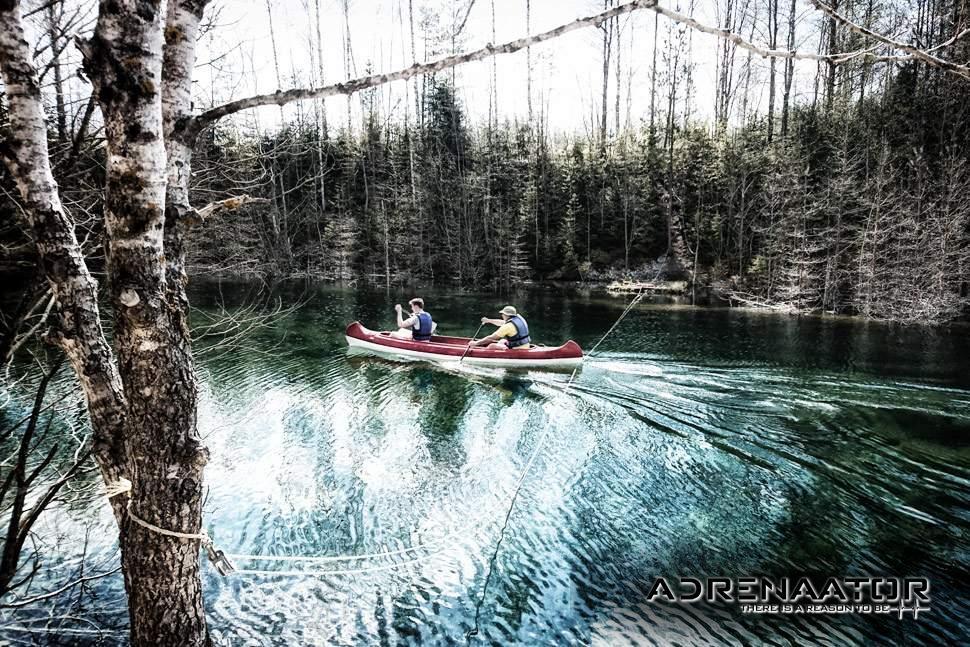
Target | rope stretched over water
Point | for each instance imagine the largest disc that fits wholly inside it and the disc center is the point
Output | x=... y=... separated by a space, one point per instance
x=216 y=556
x=545 y=432
x=224 y=566
x=437 y=543
x=616 y=323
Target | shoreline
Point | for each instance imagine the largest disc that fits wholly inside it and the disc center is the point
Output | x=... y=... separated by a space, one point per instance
x=707 y=296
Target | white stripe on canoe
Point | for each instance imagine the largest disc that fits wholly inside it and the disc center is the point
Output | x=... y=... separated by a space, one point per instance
x=471 y=361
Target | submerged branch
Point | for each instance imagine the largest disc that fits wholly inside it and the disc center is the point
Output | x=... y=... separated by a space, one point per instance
x=53 y=594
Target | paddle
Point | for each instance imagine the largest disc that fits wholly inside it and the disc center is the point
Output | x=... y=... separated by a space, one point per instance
x=469 y=347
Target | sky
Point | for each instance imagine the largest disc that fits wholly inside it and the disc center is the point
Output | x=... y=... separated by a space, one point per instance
x=237 y=57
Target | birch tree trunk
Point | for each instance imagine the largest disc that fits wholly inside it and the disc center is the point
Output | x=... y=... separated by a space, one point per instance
x=832 y=49
x=619 y=79
x=653 y=79
x=673 y=58
x=182 y=30
x=773 y=43
x=321 y=106
x=725 y=72
x=124 y=62
x=345 y=6
x=54 y=33
x=528 y=60
x=746 y=95
x=417 y=204
x=142 y=410
x=789 y=71
x=607 y=28
x=79 y=333
x=866 y=65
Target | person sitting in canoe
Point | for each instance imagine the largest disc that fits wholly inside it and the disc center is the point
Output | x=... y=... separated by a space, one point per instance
x=419 y=326
x=513 y=332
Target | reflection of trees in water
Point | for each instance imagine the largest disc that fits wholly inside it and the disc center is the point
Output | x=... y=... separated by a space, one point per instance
x=381 y=615
x=825 y=531
x=574 y=569
x=445 y=399
x=851 y=501
x=406 y=615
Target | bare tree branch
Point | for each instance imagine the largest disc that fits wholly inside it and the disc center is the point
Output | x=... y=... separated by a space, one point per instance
x=221 y=207
x=959 y=36
x=914 y=52
x=23 y=338
x=192 y=126
x=52 y=594
x=468 y=12
x=20 y=481
x=765 y=52
x=196 y=124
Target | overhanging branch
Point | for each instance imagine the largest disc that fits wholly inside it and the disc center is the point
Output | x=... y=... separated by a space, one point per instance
x=914 y=52
x=192 y=126
x=220 y=207
x=199 y=122
x=765 y=52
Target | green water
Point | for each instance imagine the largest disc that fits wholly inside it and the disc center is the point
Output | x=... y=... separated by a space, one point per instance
x=698 y=442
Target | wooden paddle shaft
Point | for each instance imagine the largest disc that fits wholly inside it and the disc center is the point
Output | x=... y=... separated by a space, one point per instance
x=473 y=339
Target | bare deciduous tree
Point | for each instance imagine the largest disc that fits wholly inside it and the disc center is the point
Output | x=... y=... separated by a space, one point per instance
x=141 y=393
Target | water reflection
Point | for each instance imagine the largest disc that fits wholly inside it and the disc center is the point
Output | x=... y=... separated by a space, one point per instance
x=700 y=442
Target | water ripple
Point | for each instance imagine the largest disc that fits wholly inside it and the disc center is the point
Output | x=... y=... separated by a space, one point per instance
x=698 y=443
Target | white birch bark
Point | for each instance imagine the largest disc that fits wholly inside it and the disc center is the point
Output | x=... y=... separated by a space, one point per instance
x=123 y=59
x=79 y=331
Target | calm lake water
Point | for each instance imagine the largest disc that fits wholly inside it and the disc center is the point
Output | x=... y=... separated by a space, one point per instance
x=698 y=442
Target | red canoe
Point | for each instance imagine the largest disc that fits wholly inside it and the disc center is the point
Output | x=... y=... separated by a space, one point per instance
x=445 y=349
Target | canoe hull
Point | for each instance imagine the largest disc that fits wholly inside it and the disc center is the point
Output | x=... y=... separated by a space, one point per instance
x=450 y=349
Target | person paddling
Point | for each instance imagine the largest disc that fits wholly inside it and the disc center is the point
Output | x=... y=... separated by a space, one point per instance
x=512 y=333
x=419 y=326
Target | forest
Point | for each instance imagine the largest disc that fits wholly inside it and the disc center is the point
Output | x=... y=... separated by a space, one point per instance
x=851 y=207
x=830 y=176
x=851 y=201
